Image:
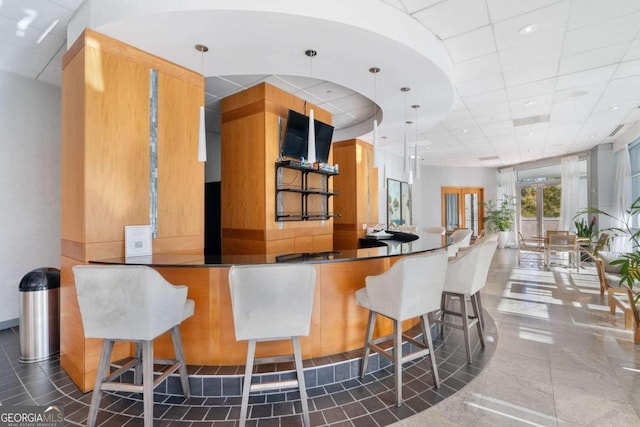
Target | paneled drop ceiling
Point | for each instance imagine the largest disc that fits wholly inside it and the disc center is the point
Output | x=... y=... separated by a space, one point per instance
x=532 y=78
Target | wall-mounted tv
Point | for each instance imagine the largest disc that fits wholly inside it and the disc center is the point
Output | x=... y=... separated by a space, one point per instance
x=296 y=137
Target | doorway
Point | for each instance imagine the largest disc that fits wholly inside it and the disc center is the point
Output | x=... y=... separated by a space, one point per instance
x=539 y=208
x=462 y=208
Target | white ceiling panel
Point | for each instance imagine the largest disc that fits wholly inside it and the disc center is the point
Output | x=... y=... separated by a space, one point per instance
x=459 y=124
x=471 y=45
x=621 y=90
x=329 y=92
x=634 y=50
x=627 y=69
x=453 y=17
x=541 y=50
x=412 y=6
x=493 y=97
x=550 y=20
x=494 y=116
x=395 y=3
x=477 y=67
x=584 y=78
x=533 y=89
x=588 y=12
x=458 y=115
x=603 y=34
x=490 y=109
x=532 y=73
x=481 y=85
x=593 y=59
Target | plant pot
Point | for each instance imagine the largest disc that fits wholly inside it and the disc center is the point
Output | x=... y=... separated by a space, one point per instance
x=503 y=236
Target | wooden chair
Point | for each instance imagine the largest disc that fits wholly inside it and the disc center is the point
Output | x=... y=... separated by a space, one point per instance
x=531 y=246
x=590 y=253
x=609 y=277
x=562 y=243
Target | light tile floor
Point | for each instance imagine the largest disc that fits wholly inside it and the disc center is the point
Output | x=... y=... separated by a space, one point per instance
x=561 y=358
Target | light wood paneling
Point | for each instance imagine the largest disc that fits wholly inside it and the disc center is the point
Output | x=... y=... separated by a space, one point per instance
x=180 y=175
x=357 y=186
x=105 y=169
x=250 y=147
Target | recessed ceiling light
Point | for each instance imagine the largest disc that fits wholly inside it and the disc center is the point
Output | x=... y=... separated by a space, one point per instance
x=528 y=29
x=592 y=136
x=530 y=103
x=530 y=151
x=614 y=107
x=530 y=133
x=463 y=131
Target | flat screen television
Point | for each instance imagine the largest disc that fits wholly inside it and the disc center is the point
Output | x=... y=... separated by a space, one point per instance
x=296 y=137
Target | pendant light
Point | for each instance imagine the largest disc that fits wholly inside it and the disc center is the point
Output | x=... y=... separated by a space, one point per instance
x=416 y=159
x=311 y=147
x=202 y=133
x=405 y=153
x=377 y=157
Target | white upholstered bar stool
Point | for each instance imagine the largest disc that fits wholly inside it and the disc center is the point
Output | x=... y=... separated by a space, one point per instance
x=435 y=230
x=460 y=238
x=272 y=302
x=410 y=288
x=136 y=304
x=466 y=276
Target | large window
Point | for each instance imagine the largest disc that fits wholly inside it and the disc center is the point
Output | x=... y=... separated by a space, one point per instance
x=634 y=156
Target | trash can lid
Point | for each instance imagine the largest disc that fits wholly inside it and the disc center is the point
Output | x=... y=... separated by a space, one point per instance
x=40 y=279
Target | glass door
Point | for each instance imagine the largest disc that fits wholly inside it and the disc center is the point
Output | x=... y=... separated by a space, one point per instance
x=539 y=209
x=462 y=208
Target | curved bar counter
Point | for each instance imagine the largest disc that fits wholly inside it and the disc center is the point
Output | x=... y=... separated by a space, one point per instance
x=337 y=324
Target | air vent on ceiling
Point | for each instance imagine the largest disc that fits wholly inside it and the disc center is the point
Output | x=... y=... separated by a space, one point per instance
x=531 y=120
x=488 y=158
x=616 y=130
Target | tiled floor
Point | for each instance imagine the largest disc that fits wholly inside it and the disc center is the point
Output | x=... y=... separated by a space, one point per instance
x=560 y=360
x=352 y=402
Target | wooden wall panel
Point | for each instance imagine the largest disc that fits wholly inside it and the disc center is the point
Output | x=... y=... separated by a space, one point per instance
x=105 y=168
x=250 y=124
x=116 y=145
x=180 y=174
x=360 y=206
x=72 y=153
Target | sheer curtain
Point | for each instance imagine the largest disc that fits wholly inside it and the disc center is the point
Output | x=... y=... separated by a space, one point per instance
x=622 y=198
x=508 y=191
x=569 y=180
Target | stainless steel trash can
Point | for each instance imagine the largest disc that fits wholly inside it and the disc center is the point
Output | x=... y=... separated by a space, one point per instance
x=39 y=315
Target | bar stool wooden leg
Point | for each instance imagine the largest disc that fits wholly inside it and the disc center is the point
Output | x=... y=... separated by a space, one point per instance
x=475 y=305
x=177 y=348
x=480 y=312
x=371 y=322
x=147 y=381
x=297 y=355
x=137 y=370
x=426 y=334
x=248 y=370
x=397 y=362
x=465 y=327
x=103 y=372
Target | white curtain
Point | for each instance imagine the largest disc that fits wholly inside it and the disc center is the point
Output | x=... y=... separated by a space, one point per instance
x=507 y=190
x=622 y=199
x=569 y=199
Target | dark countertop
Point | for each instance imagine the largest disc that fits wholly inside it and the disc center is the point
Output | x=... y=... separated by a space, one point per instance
x=425 y=243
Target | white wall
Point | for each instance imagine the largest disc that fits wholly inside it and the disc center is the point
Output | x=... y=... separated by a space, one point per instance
x=29 y=182
x=426 y=195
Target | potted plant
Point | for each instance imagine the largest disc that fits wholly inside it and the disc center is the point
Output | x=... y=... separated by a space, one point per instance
x=586 y=232
x=499 y=216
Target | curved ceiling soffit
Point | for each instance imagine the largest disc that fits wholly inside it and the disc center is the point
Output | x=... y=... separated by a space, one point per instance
x=273 y=36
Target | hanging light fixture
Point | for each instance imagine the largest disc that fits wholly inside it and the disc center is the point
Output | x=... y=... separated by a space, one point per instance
x=311 y=147
x=405 y=152
x=416 y=159
x=377 y=158
x=202 y=133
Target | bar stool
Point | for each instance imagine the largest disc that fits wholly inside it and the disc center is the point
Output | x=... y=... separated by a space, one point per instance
x=410 y=288
x=272 y=302
x=131 y=303
x=460 y=238
x=466 y=276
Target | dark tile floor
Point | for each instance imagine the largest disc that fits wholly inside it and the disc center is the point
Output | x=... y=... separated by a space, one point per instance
x=355 y=402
